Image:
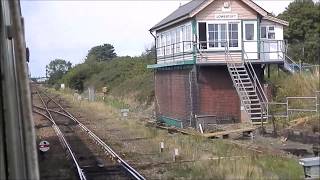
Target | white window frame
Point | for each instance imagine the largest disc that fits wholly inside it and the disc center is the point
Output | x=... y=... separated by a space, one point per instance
x=268 y=31
x=180 y=31
x=227 y=22
x=255 y=24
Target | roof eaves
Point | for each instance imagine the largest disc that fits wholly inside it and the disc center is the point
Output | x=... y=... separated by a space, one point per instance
x=277 y=20
x=161 y=26
x=256 y=7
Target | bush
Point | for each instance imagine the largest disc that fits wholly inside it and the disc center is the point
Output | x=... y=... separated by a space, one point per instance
x=123 y=76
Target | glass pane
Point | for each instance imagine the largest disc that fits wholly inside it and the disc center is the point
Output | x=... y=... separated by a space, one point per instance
x=216 y=39
x=210 y=27
x=233 y=43
x=211 y=38
x=271 y=35
x=233 y=35
x=234 y=27
x=249 y=28
x=271 y=28
x=263 y=32
x=223 y=34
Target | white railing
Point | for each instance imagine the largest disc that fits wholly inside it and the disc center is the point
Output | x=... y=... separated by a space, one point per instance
x=175 y=51
x=305 y=104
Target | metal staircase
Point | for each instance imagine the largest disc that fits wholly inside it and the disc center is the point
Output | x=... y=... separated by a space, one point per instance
x=248 y=87
x=289 y=65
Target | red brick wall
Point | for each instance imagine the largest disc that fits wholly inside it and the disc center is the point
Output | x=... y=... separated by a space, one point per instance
x=217 y=96
x=173 y=94
x=213 y=94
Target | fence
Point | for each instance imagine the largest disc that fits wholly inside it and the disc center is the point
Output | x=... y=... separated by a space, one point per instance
x=295 y=105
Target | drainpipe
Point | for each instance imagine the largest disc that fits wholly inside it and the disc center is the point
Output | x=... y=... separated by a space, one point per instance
x=157 y=106
x=155 y=45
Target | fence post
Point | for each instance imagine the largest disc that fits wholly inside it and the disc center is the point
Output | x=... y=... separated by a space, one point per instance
x=287 y=104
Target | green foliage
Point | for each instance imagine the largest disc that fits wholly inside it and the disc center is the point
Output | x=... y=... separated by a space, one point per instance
x=103 y=52
x=299 y=84
x=303 y=31
x=123 y=76
x=56 y=69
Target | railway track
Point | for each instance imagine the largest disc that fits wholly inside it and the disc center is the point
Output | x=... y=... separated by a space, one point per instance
x=94 y=161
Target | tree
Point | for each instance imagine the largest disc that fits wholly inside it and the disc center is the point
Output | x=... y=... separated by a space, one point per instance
x=56 y=69
x=303 y=31
x=103 y=52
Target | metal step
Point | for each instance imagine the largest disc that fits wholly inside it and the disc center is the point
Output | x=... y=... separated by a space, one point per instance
x=248 y=82
x=258 y=118
x=253 y=109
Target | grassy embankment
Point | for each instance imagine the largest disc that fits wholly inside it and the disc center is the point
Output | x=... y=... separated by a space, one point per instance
x=306 y=84
x=128 y=80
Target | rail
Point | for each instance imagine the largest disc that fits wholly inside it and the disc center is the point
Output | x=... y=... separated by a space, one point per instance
x=291 y=65
x=239 y=85
x=287 y=109
x=173 y=52
x=263 y=100
x=110 y=151
x=63 y=139
x=268 y=50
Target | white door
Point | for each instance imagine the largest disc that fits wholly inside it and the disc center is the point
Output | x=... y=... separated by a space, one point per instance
x=250 y=43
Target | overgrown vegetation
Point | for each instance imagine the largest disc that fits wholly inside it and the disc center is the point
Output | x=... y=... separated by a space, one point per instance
x=297 y=84
x=123 y=77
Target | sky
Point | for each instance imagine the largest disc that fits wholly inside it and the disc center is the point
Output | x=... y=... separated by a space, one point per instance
x=68 y=29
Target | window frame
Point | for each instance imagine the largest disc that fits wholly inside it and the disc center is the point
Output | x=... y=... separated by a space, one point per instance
x=268 y=31
x=165 y=40
x=227 y=22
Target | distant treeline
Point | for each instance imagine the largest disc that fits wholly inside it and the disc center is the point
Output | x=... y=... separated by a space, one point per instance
x=303 y=31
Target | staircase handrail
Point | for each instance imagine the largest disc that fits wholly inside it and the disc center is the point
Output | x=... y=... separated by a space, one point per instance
x=227 y=56
x=290 y=61
x=257 y=84
x=195 y=44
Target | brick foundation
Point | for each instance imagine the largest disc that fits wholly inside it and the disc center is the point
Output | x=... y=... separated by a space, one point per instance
x=212 y=93
x=217 y=96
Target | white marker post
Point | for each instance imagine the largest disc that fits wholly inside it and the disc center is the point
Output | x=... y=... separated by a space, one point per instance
x=161 y=147
x=251 y=136
x=175 y=154
x=200 y=127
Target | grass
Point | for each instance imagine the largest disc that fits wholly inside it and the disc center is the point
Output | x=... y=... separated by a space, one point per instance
x=296 y=85
x=200 y=158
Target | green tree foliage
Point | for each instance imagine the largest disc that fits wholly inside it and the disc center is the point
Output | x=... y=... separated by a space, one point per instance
x=103 y=52
x=303 y=31
x=56 y=69
x=123 y=76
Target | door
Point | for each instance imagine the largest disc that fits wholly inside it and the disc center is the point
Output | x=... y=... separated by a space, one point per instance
x=250 y=42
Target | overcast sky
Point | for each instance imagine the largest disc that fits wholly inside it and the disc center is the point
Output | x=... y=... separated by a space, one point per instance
x=68 y=29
